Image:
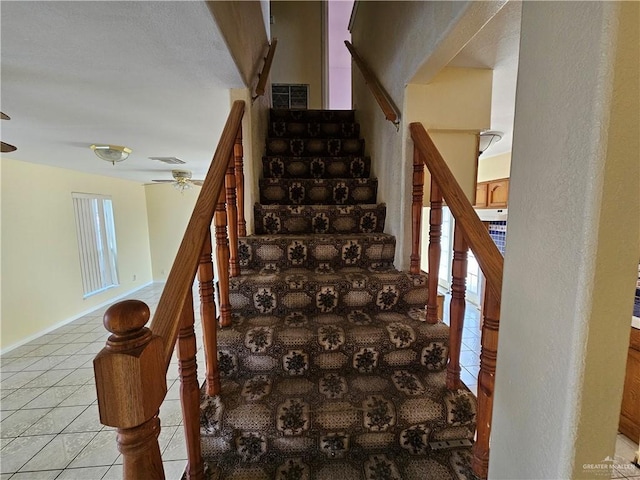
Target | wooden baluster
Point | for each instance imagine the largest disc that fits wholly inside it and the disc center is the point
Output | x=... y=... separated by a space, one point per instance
x=232 y=218
x=457 y=307
x=435 y=232
x=189 y=391
x=416 y=211
x=239 y=167
x=131 y=385
x=486 y=382
x=222 y=260
x=208 y=317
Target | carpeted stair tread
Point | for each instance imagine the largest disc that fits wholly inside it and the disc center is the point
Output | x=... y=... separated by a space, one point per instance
x=335 y=390
x=326 y=219
x=348 y=166
x=318 y=116
x=318 y=191
x=306 y=147
x=312 y=251
x=324 y=290
x=297 y=129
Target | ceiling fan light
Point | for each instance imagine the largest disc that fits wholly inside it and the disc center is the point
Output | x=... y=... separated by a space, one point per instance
x=111 y=153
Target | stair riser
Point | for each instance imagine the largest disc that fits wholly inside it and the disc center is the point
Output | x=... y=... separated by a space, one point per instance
x=314 y=130
x=275 y=219
x=256 y=253
x=297 y=147
x=316 y=167
x=318 y=116
x=275 y=191
x=310 y=292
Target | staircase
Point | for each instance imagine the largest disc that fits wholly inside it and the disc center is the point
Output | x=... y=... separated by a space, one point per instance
x=329 y=370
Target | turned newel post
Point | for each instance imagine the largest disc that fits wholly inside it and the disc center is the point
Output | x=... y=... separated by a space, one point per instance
x=457 y=307
x=208 y=317
x=486 y=382
x=416 y=211
x=131 y=385
x=222 y=260
x=238 y=160
x=435 y=232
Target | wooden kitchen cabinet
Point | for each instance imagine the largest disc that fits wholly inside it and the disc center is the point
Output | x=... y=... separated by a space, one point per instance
x=481 y=194
x=630 y=411
x=492 y=194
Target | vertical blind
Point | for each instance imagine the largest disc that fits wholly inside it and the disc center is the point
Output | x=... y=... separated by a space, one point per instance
x=96 y=242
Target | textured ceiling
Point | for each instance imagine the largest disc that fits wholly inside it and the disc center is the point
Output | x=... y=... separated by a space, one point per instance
x=497 y=46
x=153 y=76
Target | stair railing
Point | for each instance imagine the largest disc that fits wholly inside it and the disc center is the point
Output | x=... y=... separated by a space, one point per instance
x=266 y=68
x=131 y=370
x=469 y=233
x=390 y=111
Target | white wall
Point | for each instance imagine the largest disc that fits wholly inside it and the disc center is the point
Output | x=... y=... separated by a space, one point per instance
x=572 y=243
x=42 y=283
x=493 y=168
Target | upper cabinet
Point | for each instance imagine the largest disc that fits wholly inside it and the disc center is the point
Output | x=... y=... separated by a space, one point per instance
x=492 y=194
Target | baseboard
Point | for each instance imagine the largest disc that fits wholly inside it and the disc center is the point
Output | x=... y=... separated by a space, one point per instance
x=72 y=319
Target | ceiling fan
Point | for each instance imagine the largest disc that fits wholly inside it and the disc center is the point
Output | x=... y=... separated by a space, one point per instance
x=181 y=180
x=5 y=147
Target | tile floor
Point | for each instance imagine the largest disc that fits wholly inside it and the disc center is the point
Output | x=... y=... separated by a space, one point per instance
x=49 y=425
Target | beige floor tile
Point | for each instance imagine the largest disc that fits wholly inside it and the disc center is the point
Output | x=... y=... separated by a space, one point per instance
x=55 y=421
x=177 y=447
x=86 y=473
x=174 y=469
x=48 y=378
x=39 y=475
x=20 y=421
x=17 y=364
x=59 y=452
x=52 y=397
x=20 y=451
x=18 y=380
x=77 y=377
x=20 y=397
x=87 y=421
x=101 y=451
x=85 y=395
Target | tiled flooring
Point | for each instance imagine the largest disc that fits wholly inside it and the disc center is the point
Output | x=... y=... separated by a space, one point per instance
x=49 y=416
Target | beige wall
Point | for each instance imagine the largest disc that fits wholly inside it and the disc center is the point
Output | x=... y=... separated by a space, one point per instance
x=42 y=285
x=298 y=59
x=395 y=38
x=168 y=212
x=493 y=168
x=243 y=27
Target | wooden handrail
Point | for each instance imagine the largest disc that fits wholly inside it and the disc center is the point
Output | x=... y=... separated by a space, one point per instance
x=390 y=111
x=165 y=322
x=484 y=249
x=264 y=74
x=469 y=232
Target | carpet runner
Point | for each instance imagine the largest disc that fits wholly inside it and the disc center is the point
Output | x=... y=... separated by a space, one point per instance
x=329 y=370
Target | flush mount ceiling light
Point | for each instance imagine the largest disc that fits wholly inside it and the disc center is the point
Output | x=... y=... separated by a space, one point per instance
x=488 y=138
x=111 y=153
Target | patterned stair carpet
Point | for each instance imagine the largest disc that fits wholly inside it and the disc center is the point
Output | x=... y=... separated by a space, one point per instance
x=329 y=370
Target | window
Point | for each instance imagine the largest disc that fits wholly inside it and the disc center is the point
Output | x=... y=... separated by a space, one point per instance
x=289 y=96
x=96 y=242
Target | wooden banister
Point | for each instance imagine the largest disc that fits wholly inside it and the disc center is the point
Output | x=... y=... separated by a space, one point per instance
x=469 y=232
x=264 y=74
x=180 y=280
x=484 y=249
x=390 y=111
x=131 y=370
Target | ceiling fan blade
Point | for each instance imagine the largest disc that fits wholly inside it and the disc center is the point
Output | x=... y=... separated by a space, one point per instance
x=198 y=182
x=5 y=116
x=6 y=148
x=162 y=181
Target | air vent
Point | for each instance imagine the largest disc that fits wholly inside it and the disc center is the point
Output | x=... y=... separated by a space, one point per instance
x=169 y=160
